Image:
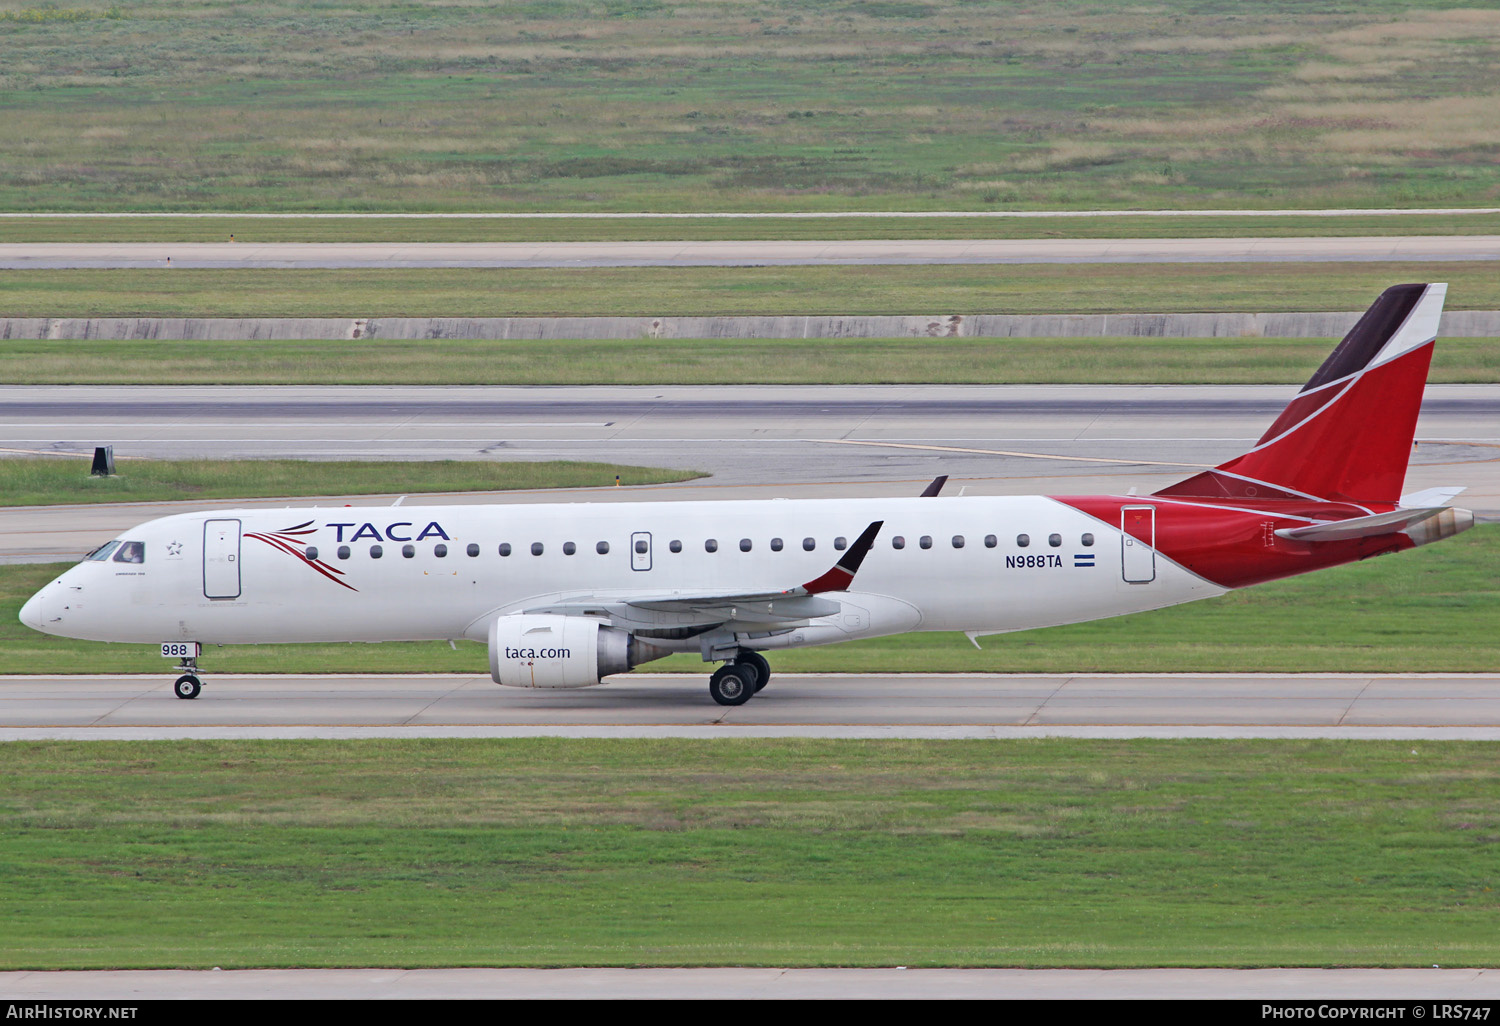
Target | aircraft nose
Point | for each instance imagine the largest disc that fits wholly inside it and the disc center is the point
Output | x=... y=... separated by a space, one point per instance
x=34 y=613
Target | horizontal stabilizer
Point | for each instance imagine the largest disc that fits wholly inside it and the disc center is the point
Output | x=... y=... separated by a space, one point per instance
x=1373 y=526
x=1433 y=496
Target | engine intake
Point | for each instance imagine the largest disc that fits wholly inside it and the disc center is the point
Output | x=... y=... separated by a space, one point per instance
x=544 y=650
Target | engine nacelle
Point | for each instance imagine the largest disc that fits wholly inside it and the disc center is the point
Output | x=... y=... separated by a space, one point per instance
x=547 y=651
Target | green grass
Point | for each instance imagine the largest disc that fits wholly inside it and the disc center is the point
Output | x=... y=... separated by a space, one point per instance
x=1436 y=609
x=291 y=229
x=549 y=852
x=38 y=482
x=703 y=291
x=745 y=104
x=705 y=361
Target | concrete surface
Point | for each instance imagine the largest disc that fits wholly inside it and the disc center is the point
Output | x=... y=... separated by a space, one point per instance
x=1455 y=324
x=749 y=252
x=1447 y=706
x=738 y=984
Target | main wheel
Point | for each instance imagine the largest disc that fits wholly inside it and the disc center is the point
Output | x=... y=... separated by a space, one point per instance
x=731 y=685
x=758 y=661
x=187 y=686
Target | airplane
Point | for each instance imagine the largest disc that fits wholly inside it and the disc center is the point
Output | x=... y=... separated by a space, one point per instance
x=565 y=595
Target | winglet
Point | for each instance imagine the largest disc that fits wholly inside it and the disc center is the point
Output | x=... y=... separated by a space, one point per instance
x=842 y=575
x=937 y=485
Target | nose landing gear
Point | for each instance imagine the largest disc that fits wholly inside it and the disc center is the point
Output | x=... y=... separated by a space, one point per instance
x=189 y=684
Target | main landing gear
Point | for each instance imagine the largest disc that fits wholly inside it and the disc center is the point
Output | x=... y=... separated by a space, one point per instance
x=734 y=683
x=189 y=684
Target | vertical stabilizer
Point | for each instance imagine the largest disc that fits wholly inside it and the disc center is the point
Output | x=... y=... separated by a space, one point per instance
x=1347 y=434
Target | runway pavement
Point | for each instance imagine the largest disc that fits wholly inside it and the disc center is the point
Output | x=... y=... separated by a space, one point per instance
x=745 y=253
x=764 y=441
x=643 y=705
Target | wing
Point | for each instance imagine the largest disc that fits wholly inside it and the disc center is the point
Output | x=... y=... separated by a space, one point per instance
x=751 y=610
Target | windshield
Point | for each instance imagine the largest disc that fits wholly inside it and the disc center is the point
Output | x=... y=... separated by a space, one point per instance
x=103 y=551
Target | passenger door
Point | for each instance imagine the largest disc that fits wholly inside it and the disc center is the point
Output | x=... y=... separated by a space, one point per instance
x=1138 y=544
x=221 y=559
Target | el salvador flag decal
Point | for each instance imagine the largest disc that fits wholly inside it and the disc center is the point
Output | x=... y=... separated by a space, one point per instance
x=1083 y=559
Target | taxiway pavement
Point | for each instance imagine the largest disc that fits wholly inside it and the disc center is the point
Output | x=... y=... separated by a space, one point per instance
x=937 y=706
x=745 y=253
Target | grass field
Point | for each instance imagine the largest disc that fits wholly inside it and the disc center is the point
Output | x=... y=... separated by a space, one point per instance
x=563 y=852
x=705 y=361
x=36 y=482
x=746 y=104
x=1433 y=609
x=703 y=291
x=326 y=229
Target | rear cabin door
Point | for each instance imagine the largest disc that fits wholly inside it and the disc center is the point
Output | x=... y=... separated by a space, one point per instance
x=221 y=559
x=1138 y=543
x=640 y=550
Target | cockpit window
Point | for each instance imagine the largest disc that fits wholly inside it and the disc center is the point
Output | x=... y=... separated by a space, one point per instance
x=131 y=552
x=103 y=551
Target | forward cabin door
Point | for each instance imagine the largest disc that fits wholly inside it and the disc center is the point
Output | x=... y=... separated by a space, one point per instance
x=221 y=559
x=1138 y=543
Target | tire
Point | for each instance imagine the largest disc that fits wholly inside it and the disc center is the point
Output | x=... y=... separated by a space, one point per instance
x=187 y=686
x=761 y=667
x=731 y=685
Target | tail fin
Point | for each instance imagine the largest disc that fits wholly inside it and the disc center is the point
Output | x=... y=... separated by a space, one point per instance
x=1347 y=435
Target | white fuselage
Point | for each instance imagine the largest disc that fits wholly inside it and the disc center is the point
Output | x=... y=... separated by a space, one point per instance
x=244 y=576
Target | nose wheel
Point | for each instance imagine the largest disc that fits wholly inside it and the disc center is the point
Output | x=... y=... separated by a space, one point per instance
x=189 y=684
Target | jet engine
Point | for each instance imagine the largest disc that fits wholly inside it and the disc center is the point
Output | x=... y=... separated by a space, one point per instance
x=548 y=651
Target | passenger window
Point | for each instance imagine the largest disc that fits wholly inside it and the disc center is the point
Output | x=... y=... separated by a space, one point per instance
x=343 y=552
x=1088 y=540
x=775 y=544
x=376 y=551
x=103 y=551
x=1023 y=540
x=926 y=541
x=473 y=549
x=990 y=541
x=1054 y=540
x=440 y=550
x=841 y=543
x=711 y=545
x=569 y=548
x=958 y=541
x=536 y=548
x=744 y=544
x=408 y=551
x=808 y=544
x=602 y=548
x=504 y=549
x=312 y=552
x=898 y=542
x=641 y=547
x=131 y=552
x=676 y=545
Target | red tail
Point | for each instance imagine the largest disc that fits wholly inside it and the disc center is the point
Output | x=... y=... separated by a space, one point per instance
x=1347 y=435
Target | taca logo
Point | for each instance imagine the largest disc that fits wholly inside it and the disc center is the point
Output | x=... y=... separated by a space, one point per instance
x=367 y=530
